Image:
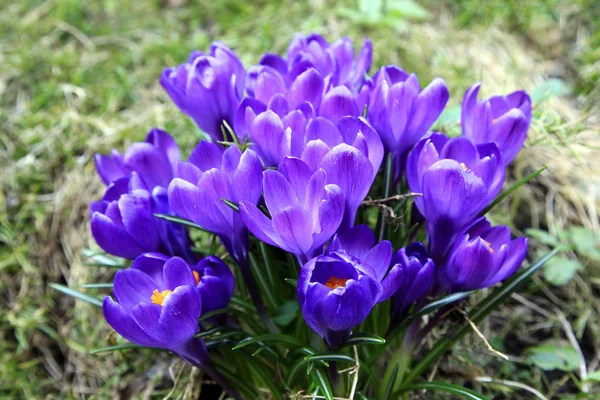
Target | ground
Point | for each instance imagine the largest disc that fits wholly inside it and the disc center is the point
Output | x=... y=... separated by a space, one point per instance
x=78 y=78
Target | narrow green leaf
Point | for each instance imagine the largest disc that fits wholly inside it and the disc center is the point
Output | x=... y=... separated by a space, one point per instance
x=270 y=337
x=329 y=357
x=293 y=282
x=320 y=379
x=234 y=206
x=78 y=295
x=434 y=305
x=124 y=346
x=511 y=189
x=446 y=388
x=263 y=283
x=180 y=221
x=477 y=314
x=391 y=383
x=361 y=338
x=102 y=260
x=97 y=286
x=247 y=318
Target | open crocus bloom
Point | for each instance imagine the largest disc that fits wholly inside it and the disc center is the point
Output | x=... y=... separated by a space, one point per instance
x=458 y=179
x=503 y=120
x=338 y=290
x=305 y=210
x=482 y=257
x=158 y=305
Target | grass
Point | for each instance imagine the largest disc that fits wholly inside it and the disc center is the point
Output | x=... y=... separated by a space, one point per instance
x=82 y=77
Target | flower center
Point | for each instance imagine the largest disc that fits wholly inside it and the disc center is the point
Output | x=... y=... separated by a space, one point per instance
x=464 y=166
x=159 y=297
x=196 y=277
x=334 y=282
x=490 y=246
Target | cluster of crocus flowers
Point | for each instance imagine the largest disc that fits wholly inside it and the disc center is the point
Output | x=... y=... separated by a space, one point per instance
x=295 y=146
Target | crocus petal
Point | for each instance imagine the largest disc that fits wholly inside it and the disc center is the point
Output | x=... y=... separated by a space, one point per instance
x=147 y=315
x=247 y=177
x=378 y=258
x=323 y=129
x=278 y=193
x=516 y=252
x=132 y=286
x=427 y=107
x=258 y=223
x=137 y=216
x=113 y=238
x=295 y=227
x=206 y=156
x=266 y=133
x=298 y=174
x=509 y=133
x=248 y=104
x=151 y=264
x=166 y=144
x=177 y=273
x=124 y=324
x=178 y=320
x=308 y=86
x=356 y=241
x=338 y=103
x=110 y=167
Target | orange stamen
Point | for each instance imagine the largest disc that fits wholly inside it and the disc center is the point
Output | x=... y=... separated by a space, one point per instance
x=464 y=167
x=159 y=297
x=490 y=246
x=196 y=277
x=334 y=282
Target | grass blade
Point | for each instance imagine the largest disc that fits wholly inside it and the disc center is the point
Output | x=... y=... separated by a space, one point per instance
x=78 y=295
x=124 y=346
x=270 y=337
x=231 y=204
x=329 y=357
x=511 y=189
x=447 y=388
x=360 y=338
x=320 y=379
x=180 y=221
x=97 y=286
x=477 y=314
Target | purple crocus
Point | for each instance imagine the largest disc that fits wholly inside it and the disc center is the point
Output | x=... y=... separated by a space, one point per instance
x=305 y=211
x=158 y=305
x=123 y=222
x=339 y=289
x=482 y=257
x=213 y=279
x=418 y=277
x=458 y=179
x=402 y=112
x=210 y=175
x=503 y=120
x=155 y=160
x=208 y=88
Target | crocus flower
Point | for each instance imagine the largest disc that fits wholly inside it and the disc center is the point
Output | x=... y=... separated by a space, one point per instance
x=458 y=180
x=418 y=276
x=339 y=289
x=213 y=279
x=503 y=120
x=210 y=175
x=158 y=305
x=154 y=159
x=208 y=88
x=482 y=257
x=402 y=112
x=305 y=211
x=123 y=222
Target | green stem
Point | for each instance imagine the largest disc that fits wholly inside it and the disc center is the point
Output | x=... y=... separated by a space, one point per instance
x=387 y=189
x=394 y=373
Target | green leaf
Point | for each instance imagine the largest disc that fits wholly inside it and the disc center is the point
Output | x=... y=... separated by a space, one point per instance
x=543 y=237
x=270 y=337
x=444 y=301
x=320 y=379
x=102 y=260
x=408 y=9
x=361 y=338
x=593 y=377
x=287 y=313
x=371 y=9
x=511 y=189
x=124 y=346
x=551 y=88
x=78 y=295
x=477 y=314
x=293 y=282
x=583 y=238
x=329 y=357
x=446 y=388
x=180 y=221
x=97 y=286
x=234 y=206
x=560 y=270
x=549 y=357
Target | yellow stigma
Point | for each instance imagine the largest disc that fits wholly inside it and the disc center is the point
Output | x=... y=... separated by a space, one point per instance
x=463 y=165
x=490 y=246
x=334 y=282
x=159 y=297
x=196 y=277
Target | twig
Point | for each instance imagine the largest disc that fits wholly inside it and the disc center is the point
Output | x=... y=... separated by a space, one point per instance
x=355 y=372
x=518 y=385
x=482 y=337
x=398 y=197
x=573 y=340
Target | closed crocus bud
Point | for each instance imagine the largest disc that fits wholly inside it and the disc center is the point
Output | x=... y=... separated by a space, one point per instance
x=401 y=112
x=482 y=257
x=305 y=211
x=338 y=290
x=215 y=283
x=208 y=88
x=123 y=222
x=458 y=180
x=417 y=276
x=154 y=159
x=503 y=120
x=210 y=175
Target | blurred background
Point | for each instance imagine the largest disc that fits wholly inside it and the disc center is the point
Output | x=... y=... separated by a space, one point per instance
x=79 y=77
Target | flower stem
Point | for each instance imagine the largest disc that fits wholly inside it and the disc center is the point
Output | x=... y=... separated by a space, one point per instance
x=255 y=296
x=387 y=188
